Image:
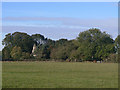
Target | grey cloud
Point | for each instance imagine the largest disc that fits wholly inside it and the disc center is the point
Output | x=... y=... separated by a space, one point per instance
x=109 y=25
x=53 y=33
x=111 y=22
x=33 y=18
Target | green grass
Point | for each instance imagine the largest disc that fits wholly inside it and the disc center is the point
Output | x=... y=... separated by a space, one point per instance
x=59 y=75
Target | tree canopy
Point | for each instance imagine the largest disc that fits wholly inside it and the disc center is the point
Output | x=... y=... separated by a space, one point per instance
x=0 y=55
x=90 y=45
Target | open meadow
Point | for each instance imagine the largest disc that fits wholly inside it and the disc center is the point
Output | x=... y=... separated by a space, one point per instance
x=59 y=75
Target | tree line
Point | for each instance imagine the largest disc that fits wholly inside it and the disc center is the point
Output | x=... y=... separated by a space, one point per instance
x=0 y=55
x=90 y=45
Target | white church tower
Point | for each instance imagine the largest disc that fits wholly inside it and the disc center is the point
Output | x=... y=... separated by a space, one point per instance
x=34 y=48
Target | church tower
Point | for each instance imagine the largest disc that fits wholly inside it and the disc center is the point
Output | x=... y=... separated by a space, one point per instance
x=34 y=48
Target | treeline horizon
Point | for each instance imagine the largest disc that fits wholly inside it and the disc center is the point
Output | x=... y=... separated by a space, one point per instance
x=90 y=45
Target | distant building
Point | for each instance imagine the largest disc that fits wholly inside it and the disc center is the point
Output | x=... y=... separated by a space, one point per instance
x=33 y=50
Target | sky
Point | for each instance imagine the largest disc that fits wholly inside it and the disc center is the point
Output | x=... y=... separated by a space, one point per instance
x=57 y=20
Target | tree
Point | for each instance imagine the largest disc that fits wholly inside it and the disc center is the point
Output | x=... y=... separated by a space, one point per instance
x=63 y=51
x=25 y=56
x=6 y=53
x=39 y=39
x=74 y=55
x=90 y=45
x=60 y=42
x=95 y=45
x=0 y=55
x=42 y=52
x=16 y=53
x=59 y=53
x=19 y=39
x=112 y=58
x=104 y=51
x=117 y=45
x=7 y=41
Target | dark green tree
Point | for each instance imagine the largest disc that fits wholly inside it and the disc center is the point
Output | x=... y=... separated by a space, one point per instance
x=19 y=39
x=16 y=53
x=117 y=45
x=0 y=55
x=63 y=51
x=39 y=39
x=25 y=55
x=95 y=45
x=6 y=53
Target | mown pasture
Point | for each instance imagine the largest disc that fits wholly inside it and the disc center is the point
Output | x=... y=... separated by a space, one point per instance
x=59 y=75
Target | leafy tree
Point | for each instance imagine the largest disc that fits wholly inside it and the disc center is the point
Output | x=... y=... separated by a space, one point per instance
x=74 y=55
x=6 y=53
x=112 y=58
x=104 y=51
x=60 y=42
x=89 y=45
x=63 y=51
x=19 y=39
x=25 y=56
x=0 y=55
x=117 y=45
x=39 y=39
x=59 y=53
x=95 y=45
x=42 y=52
x=16 y=53
x=7 y=41
x=50 y=44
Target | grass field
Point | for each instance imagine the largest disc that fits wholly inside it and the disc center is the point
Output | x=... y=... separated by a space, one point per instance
x=59 y=75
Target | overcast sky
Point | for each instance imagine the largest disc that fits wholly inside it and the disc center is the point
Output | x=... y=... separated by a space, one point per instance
x=57 y=20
